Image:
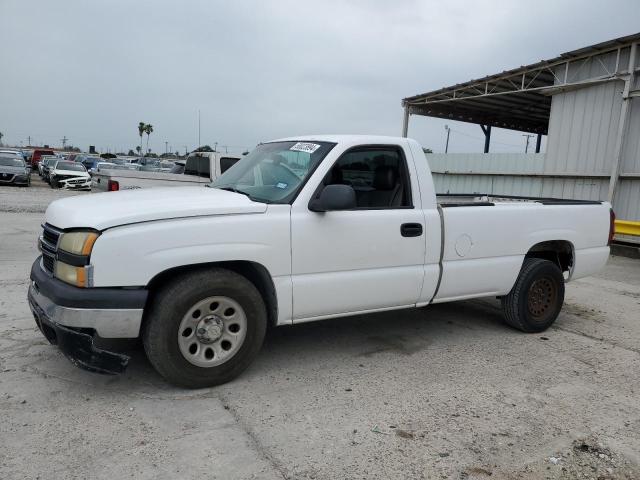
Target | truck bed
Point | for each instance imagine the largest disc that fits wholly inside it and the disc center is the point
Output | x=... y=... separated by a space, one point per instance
x=130 y=179
x=480 y=199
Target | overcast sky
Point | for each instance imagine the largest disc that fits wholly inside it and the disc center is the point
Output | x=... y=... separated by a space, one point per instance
x=258 y=70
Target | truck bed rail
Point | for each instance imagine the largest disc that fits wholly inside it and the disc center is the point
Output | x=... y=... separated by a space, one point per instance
x=481 y=199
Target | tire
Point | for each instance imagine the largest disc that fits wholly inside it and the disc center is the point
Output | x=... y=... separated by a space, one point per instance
x=163 y=332
x=535 y=301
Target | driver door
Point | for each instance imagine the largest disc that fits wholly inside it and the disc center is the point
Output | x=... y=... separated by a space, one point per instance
x=365 y=258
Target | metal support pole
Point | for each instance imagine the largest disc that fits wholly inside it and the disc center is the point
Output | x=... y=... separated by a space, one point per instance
x=528 y=135
x=622 y=123
x=446 y=145
x=487 y=137
x=405 y=122
x=538 y=142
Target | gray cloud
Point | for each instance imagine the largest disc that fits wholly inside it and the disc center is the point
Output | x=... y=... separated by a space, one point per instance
x=259 y=70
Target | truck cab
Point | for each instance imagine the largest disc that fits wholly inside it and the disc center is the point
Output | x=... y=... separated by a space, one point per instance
x=209 y=164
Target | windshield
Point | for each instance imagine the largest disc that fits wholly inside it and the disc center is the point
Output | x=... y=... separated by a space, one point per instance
x=274 y=172
x=11 y=162
x=73 y=166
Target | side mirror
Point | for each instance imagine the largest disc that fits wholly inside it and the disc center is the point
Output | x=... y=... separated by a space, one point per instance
x=334 y=197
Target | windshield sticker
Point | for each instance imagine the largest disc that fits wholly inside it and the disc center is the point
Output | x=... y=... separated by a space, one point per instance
x=281 y=185
x=305 y=147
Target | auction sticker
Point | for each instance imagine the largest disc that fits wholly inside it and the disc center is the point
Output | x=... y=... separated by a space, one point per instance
x=305 y=147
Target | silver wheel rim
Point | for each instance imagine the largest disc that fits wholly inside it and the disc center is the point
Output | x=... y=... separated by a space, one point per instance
x=212 y=331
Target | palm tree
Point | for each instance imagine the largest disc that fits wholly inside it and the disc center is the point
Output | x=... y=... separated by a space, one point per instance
x=148 y=129
x=141 y=130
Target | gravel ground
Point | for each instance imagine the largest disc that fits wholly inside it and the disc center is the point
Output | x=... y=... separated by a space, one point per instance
x=443 y=392
x=32 y=199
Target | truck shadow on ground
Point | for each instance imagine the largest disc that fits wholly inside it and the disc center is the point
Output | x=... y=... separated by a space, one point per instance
x=351 y=339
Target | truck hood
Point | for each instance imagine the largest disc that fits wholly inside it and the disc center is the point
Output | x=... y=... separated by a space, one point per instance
x=110 y=209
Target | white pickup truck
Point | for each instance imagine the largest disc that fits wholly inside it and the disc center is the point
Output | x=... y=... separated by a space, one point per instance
x=200 y=168
x=299 y=230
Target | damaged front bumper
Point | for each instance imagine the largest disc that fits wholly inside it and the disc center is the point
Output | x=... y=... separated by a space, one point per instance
x=77 y=183
x=78 y=346
x=71 y=317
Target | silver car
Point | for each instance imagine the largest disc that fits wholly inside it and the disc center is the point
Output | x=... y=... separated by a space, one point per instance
x=14 y=170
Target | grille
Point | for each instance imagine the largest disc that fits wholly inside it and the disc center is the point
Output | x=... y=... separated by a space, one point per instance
x=47 y=262
x=50 y=238
x=50 y=235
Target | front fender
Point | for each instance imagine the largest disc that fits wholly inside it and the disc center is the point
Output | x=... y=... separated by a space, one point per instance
x=132 y=255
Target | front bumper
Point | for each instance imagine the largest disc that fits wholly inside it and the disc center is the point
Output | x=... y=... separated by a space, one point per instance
x=75 y=184
x=70 y=317
x=14 y=179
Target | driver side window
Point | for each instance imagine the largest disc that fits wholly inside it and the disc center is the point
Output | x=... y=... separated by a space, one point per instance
x=378 y=175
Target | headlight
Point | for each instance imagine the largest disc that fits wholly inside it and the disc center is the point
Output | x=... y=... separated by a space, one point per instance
x=78 y=243
x=68 y=273
x=72 y=263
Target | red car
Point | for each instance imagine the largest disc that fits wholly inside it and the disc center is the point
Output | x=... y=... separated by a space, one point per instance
x=37 y=154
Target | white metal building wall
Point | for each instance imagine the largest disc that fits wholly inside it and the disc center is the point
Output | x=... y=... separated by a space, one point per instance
x=581 y=147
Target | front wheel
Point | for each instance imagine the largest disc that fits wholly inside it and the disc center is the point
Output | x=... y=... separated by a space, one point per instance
x=535 y=301
x=204 y=328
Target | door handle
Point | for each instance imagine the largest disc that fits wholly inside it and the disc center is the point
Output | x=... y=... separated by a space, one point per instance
x=411 y=229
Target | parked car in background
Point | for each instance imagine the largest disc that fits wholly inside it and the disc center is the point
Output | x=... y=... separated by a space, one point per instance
x=200 y=168
x=178 y=166
x=13 y=153
x=157 y=166
x=48 y=164
x=27 y=154
x=41 y=163
x=101 y=166
x=90 y=161
x=70 y=176
x=38 y=153
x=14 y=170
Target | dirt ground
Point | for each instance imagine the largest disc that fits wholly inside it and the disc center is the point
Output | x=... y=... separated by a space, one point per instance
x=446 y=391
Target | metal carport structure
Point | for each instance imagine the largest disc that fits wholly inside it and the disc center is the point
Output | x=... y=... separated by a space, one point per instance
x=583 y=100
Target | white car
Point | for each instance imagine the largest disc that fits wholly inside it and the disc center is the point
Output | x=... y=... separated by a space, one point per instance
x=69 y=175
x=299 y=230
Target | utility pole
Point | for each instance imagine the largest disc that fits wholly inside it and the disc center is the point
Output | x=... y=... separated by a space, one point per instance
x=446 y=146
x=199 y=144
x=166 y=147
x=64 y=142
x=528 y=135
x=185 y=150
x=29 y=140
x=215 y=146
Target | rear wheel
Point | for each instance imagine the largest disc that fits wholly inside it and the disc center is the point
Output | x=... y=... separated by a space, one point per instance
x=204 y=328
x=535 y=301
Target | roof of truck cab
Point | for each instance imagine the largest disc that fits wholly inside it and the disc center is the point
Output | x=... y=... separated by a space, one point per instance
x=342 y=139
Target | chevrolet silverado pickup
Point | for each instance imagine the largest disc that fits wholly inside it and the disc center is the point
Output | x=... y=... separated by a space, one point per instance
x=301 y=229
